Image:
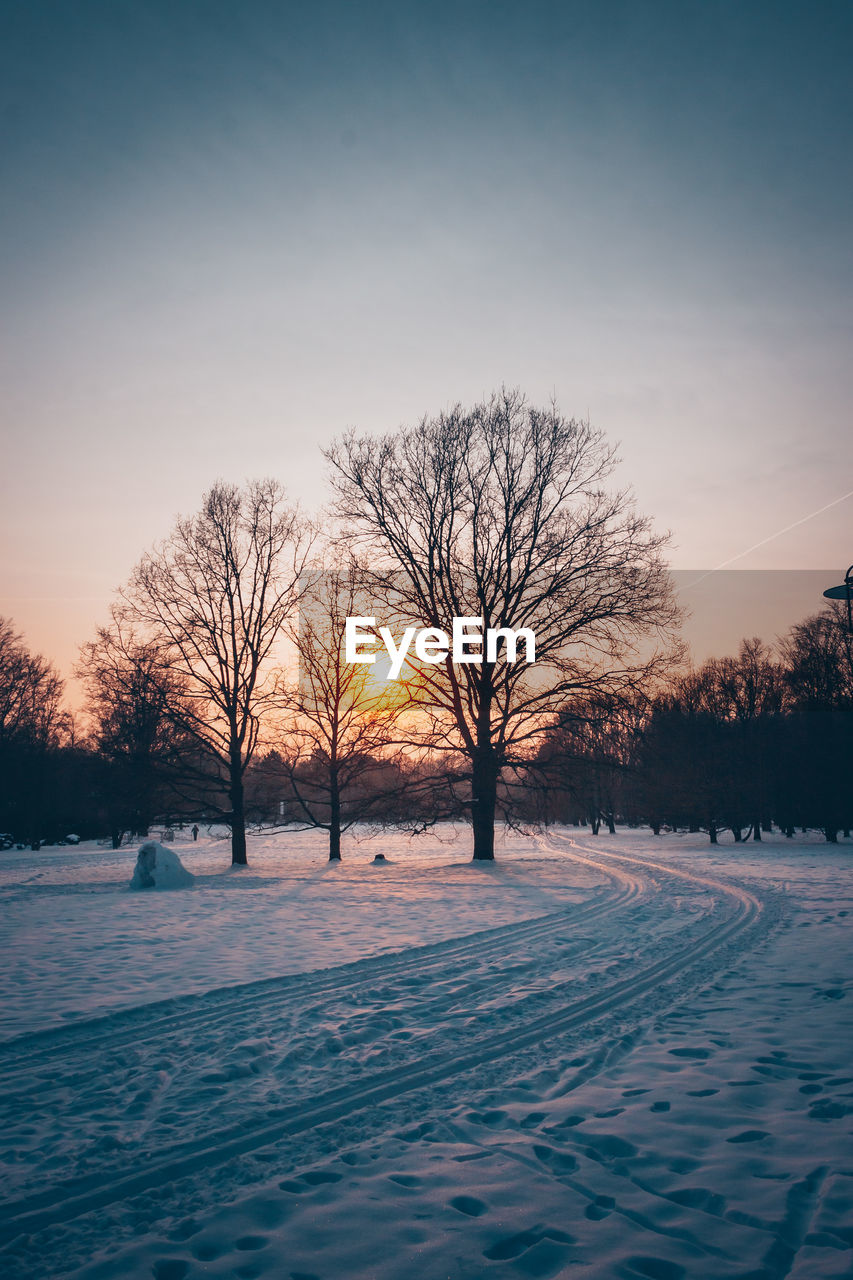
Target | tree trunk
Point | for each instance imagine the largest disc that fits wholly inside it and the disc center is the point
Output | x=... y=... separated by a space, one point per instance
x=655 y=826
x=334 y=817
x=484 y=792
x=611 y=824
x=238 y=816
x=738 y=834
x=831 y=834
x=712 y=832
x=756 y=830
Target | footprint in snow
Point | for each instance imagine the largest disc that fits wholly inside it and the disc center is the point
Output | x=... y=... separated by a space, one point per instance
x=204 y=1251
x=688 y=1052
x=652 y=1269
x=510 y=1247
x=420 y=1131
x=493 y=1119
x=248 y=1244
x=608 y=1146
x=170 y=1269
x=533 y=1119
x=559 y=1161
x=315 y=1177
x=749 y=1135
x=568 y=1123
x=700 y=1198
x=601 y=1207
x=469 y=1205
x=826 y=1109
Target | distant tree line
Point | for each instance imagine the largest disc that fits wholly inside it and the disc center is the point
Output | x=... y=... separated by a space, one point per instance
x=745 y=744
x=38 y=762
x=218 y=691
x=740 y=743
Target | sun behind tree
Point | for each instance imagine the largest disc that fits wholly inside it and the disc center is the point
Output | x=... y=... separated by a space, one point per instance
x=499 y=512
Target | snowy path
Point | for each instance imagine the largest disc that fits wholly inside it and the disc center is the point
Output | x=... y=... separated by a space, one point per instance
x=165 y=1108
x=221 y=1006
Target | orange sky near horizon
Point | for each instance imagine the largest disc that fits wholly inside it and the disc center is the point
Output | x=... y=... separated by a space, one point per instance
x=231 y=232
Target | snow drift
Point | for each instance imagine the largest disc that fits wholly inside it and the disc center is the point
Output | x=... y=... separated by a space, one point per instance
x=159 y=868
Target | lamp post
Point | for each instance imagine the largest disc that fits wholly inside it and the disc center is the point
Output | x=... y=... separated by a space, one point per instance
x=844 y=592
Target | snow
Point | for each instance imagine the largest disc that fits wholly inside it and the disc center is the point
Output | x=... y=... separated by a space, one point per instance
x=71 y=931
x=159 y=868
x=618 y=1056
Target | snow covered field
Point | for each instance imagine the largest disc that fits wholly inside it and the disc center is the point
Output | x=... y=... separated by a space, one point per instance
x=607 y=1057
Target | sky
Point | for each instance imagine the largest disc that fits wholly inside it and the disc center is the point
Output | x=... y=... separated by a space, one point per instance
x=231 y=230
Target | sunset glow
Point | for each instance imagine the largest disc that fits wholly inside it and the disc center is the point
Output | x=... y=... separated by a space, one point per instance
x=426 y=640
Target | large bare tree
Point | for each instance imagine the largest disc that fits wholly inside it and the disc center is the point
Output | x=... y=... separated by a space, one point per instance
x=343 y=720
x=499 y=512
x=214 y=596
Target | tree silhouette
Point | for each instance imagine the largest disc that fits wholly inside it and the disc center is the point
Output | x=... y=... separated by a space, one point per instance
x=33 y=726
x=498 y=513
x=213 y=599
x=343 y=719
x=134 y=704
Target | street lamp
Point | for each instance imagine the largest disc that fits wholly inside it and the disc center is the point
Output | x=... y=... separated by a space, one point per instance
x=844 y=592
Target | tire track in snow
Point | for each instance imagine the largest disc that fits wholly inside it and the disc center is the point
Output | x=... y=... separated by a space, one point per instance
x=80 y=1195
x=236 y=1014
x=593 y=858
x=210 y=1009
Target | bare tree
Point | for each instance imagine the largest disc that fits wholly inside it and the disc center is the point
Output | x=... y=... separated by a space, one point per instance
x=818 y=655
x=581 y=766
x=343 y=719
x=818 y=756
x=751 y=688
x=30 y=693
x=214 y=598
x=708 y=756
x=498 y=513
x=33 y=725
x=134 y=704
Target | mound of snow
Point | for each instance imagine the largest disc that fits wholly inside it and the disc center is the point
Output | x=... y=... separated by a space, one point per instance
x=159 y=868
